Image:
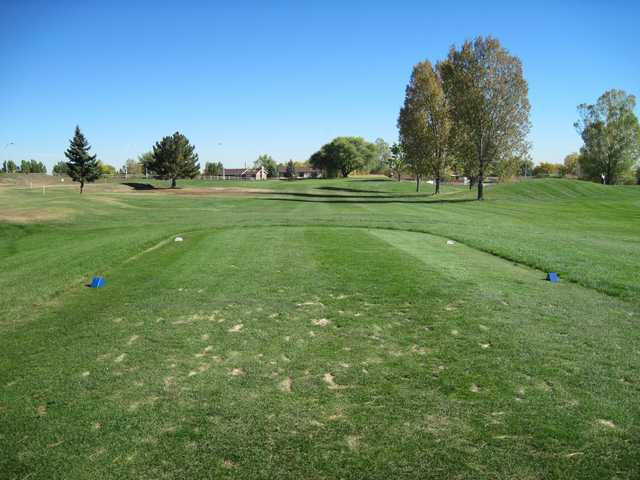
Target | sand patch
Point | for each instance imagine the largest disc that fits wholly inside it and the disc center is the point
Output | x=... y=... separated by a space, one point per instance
x=286 y=385
x=237 y=372
x=321 y=322
x=606 y=423
x=353 y=442
x=330 y=380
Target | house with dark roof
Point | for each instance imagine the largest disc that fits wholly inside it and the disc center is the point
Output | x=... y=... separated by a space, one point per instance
x=244 y=173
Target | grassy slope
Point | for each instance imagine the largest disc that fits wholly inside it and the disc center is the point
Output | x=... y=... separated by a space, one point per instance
x=423 y=397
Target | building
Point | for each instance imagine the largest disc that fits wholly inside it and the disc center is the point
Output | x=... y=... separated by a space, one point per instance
x=244 y=173
x=301 y=172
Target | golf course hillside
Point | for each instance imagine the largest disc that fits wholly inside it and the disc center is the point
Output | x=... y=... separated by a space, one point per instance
x=349 y=328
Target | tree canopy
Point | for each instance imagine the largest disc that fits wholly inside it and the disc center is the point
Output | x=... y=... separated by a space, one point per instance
x=611 y=136
x=60 y=168
x=173 y=158
x=213 y=169
x=32 y=166
x=268 y=163
x=343 y=155
x=489 y=103
x=81 y=167
x=425 y=124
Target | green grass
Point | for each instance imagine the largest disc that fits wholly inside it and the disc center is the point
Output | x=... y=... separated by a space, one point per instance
x=436 y=360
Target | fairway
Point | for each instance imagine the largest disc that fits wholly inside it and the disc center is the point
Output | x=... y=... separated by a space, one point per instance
x=320 y=329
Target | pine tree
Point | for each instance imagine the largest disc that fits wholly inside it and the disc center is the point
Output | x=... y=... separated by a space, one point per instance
x=82 y=167
x=174 y=157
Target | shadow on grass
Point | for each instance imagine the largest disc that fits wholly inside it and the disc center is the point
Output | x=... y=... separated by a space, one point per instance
x=139 y=186
x=380 y=195
x=359 y=199
x=344 y=189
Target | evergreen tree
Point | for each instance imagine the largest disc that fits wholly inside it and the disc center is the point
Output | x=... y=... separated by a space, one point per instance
x=174 y=157
x=81 y=167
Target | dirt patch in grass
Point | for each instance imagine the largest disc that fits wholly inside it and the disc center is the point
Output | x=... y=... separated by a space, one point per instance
x=22 y=215
x=286 y=385
x=330 y=380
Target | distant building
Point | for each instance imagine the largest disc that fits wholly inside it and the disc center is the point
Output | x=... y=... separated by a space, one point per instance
x=244 y=173
x=301 y=172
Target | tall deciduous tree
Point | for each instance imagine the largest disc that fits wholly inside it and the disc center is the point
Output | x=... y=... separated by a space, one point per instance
x=611 y=136
x=268 y=163
x=344 y=155
x=81 y=167
x=60 y=168
x=571 y=163
x=213 y=169
x=425 y=124
x=383 y=153
x=9 y=166
x=173 y=158
x=489 y=103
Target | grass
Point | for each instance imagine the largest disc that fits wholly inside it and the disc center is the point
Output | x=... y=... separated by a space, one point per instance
x=322 y=329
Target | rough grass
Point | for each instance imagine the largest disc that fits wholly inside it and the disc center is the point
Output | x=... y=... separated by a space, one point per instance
x=306 y=335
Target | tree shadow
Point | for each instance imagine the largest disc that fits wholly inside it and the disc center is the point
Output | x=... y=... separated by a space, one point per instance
x=344 y=196
x=139 y=186
x=360 y=199
x=345 y=189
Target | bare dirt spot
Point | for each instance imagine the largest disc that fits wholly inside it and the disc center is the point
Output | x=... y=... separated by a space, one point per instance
x=485 y=345
x=286 y=385
x=229 y=464
x=353 y=442
x=336 y=416
x=321 y=322
x=236 y=328
x=203 y=367
x=455 y=332
x=475 y=388
x=85 y=373
x=120 y=358
x=133 y=339
x=237 y=372
x=204 y=337
x=204 y=352
x=41 y=410
x=55 y=444
x=310 y=304
x=606 y=423
x=573 y=454
x=330 y=380
x=23 y=215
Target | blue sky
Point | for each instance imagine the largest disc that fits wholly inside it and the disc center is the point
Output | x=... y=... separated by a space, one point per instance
x=244 y=78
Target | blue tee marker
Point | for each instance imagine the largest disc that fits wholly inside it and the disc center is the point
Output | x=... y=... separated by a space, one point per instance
x=553 y=277
x=97 y=282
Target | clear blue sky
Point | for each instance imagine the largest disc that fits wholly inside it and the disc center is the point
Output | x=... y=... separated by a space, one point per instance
x=244 y=78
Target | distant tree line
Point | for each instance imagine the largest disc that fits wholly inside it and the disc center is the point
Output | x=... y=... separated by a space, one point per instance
x=26 y=166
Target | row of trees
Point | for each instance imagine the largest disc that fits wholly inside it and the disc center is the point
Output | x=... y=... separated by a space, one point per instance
x=26 y=166
x=470 y=112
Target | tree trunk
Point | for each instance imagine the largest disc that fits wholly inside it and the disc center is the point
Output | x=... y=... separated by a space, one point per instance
x=417 y=183
x=81 y=187
x=480 y=184
x=399 y=176
x=437 y=185
x=173 y=183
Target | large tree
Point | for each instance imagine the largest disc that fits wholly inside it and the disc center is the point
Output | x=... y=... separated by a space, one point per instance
x=81 y=167
x=611 y=136
x=9 y=166
x=571 y=163
x=344 y=155
x=60 y=168
x=173 y=158
x=425 y=124
x=383 y=153
x=489 y=104
x=268 y=163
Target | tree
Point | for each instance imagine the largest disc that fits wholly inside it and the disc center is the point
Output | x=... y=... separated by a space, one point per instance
x=425 y=124
x=571 y=163
x=81 y=167
x=611 y=135
x=291 y=169
x=545 y=169
x=9 y=166
x=60 y=168
x=174 y=157
x=380 y=161
x=106 y=169
x=32 y=166
x=213 y=169
x=132 y=167
x=344 y=155
x=397 y=162
x=489 y=103
x=525 y=167
x=268 y=163
x=638 y=174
